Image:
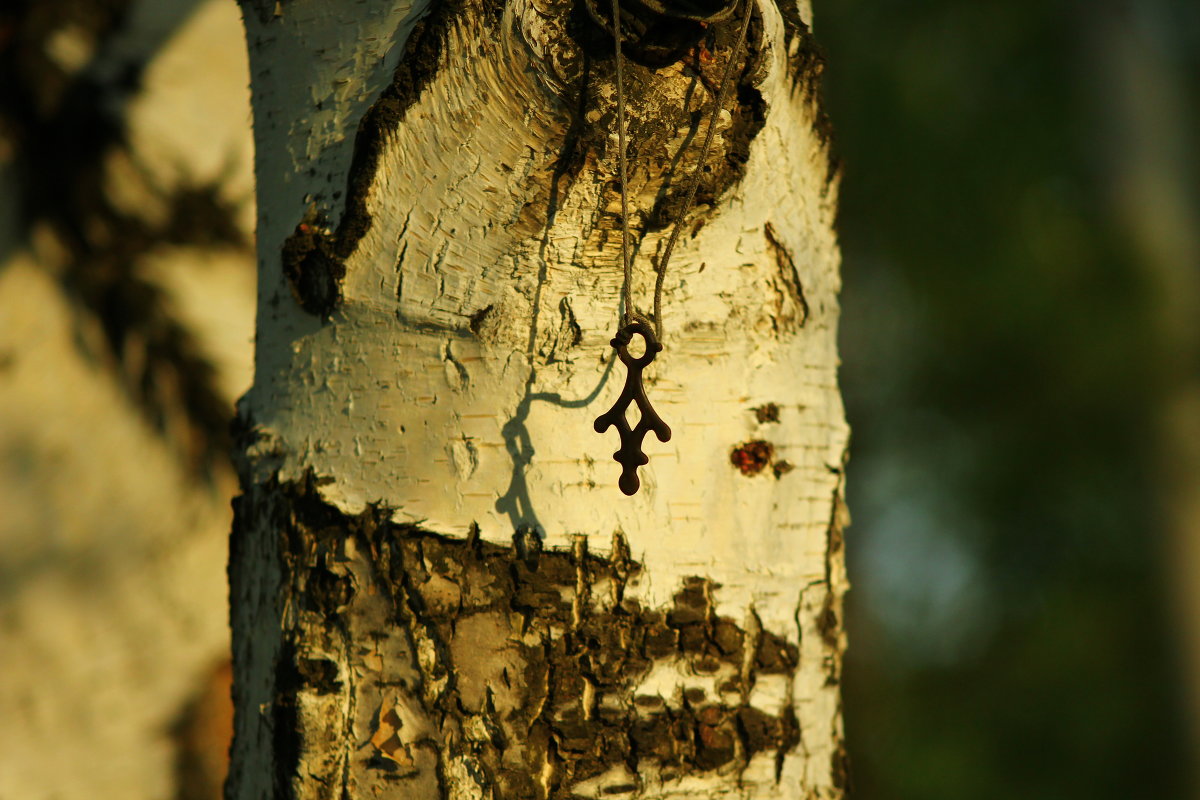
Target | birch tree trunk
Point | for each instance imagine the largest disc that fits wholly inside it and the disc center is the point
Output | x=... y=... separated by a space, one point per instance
x=438 y=590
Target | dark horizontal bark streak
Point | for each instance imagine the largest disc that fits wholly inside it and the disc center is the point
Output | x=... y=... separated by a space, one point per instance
x=560 y=618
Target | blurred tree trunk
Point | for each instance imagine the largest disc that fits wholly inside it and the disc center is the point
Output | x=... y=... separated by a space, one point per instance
x=437 y=589
x=126 y=312
x=1142 y=95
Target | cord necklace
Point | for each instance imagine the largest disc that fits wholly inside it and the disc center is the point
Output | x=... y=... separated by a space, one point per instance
x=630 y=455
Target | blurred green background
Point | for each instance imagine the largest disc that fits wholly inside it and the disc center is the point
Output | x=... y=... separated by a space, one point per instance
x=1019 y=226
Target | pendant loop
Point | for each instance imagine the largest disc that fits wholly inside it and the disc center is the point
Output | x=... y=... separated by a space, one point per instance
x=630 y=455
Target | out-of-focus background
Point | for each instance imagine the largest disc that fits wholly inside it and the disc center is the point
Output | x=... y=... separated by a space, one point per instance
x=1021 y=340
x=127 y=294
x=1021 y=346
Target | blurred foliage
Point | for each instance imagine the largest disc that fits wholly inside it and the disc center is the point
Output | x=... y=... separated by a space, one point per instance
x=1003 y=376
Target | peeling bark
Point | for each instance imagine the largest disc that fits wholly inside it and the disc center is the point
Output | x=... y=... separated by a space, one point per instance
x=438 y=591
x=533 y=672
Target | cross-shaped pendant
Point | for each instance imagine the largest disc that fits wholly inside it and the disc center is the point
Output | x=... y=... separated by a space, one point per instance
x=630 y=455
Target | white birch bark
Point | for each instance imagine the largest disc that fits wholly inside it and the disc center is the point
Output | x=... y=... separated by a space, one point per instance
x=438 y=589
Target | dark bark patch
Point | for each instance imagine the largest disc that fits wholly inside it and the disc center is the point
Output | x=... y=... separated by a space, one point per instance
x=659 y=108
x=329 y=593
x=829 y=625
x=752 y=457
x=319 y=674
x=806 y=59
x=789 y=737
x=767 y=412
x=558 y=618
x=806 y=66
x=842 y=769
x=792 y=309
x=285 y=717
x=313 y=271
x=654 y=34
x=479 y=320
x=726 y=166
x=776 y=655
x=421 y=61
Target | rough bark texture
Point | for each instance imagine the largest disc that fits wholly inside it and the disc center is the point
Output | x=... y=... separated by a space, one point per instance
x=438 y=590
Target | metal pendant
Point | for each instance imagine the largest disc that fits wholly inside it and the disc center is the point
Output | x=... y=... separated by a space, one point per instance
x=630 y=455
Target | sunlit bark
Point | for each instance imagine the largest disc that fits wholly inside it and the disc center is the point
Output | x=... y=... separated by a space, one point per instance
x=438 y=590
